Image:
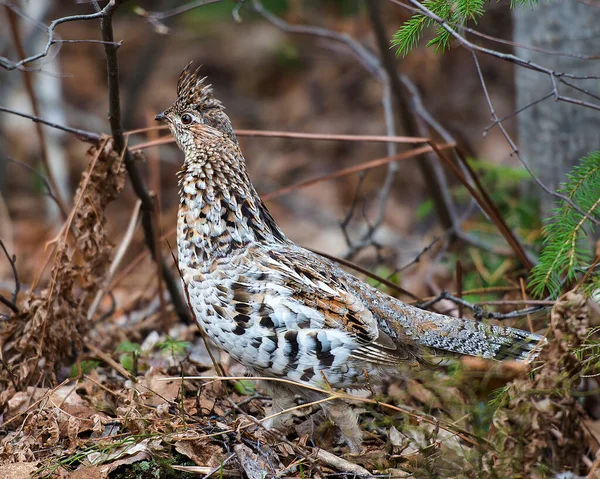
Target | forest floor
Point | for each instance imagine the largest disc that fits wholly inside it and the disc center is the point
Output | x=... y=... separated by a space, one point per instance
x=101 y=378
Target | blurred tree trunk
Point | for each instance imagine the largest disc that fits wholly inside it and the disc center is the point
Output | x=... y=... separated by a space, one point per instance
x=553 y=136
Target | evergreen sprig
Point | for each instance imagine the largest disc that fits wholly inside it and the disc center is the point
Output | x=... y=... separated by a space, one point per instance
x=567 y=248
x=454 y=12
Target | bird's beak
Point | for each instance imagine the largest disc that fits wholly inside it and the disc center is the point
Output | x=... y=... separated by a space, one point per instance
x=161 y=117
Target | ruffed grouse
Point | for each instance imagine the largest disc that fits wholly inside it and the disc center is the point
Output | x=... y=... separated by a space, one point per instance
x=279 y=309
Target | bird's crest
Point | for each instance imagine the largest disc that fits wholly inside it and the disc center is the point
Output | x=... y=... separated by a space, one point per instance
x=193 y=92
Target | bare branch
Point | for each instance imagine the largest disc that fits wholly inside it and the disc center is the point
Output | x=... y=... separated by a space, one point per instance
x=155 y=18
x=554 y=76
x=480 y=313
x=50 y=31
x=38 y=175
x=81 y=134
x=297 y=136
x=385 y=72
x=12 y=303
x=354 y=169
x=114 y=115
x=16 y=35
x=515 y=150
x=473 y=47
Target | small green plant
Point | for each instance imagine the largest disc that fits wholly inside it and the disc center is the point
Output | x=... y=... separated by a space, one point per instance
x=130 y=353
x=173 y=346
x=86 y=366
x=245 y=387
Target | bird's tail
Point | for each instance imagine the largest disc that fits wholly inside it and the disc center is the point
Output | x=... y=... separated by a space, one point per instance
x=468 y=337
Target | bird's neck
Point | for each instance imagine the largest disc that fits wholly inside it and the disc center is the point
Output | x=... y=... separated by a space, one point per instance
x=219 y=210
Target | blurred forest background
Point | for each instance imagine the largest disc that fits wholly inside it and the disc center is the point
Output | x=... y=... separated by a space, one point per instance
x=96 y=325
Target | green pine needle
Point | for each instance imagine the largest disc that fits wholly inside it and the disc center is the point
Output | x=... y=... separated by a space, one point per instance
x=455 y=12
x=566 y=246
x=408 y=35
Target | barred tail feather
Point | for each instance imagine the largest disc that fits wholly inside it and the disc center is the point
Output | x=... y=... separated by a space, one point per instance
x=468 y=337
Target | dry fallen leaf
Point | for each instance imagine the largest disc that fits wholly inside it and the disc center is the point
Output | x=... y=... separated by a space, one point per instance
x=201 y=451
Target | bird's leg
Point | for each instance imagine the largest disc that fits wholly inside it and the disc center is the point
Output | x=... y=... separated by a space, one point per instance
x=346 y=419
x=283 y=399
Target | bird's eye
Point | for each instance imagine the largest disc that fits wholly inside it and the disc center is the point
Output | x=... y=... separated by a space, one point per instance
x=186 y=118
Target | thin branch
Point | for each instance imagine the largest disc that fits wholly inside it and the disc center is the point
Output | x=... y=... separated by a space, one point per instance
x=83 y=135
x=353 y=169
x=114 y=115
x=18 y=43
x=579 y=56
x=50 y=31
x=515 y=150
x=430 y=169
x=294 y=135
x=12 y=303
x=516 y=112
x=479 y=312
x=473 y=47
x=125 y=242
x=38 y=175
x=9 y=304
x=518 y=61
x=155 y=18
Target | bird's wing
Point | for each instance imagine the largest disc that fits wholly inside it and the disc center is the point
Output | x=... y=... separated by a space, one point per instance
x=304 y=291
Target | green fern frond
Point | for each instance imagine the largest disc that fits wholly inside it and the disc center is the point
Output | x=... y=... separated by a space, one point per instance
x=566 y=246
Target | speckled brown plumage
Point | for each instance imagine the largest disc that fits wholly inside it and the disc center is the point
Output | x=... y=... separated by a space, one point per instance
x=278 y=308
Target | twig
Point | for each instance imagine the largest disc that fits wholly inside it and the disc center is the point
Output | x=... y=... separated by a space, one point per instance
x=12 y=303
x=12 y=260
x=516 y=112
x=38 y=175
x=580 y=56
x=366 y=272
x=19 y=65
x=125 y=242
x=111 y=362
x=154 y=181
x=593 y=474
x=9 y=304
x=292 y=135
x=219 y=467
x=524 y=296
x=434 y=178
x=480 y=312
x=81 y=134
x=341 y=464
x=352 y=169
x=520 y=62
x=114 y=115
x=374 y=66
x=16 y=34
x=154 y=18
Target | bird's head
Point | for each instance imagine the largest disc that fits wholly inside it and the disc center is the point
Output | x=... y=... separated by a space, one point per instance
x=196 y=116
